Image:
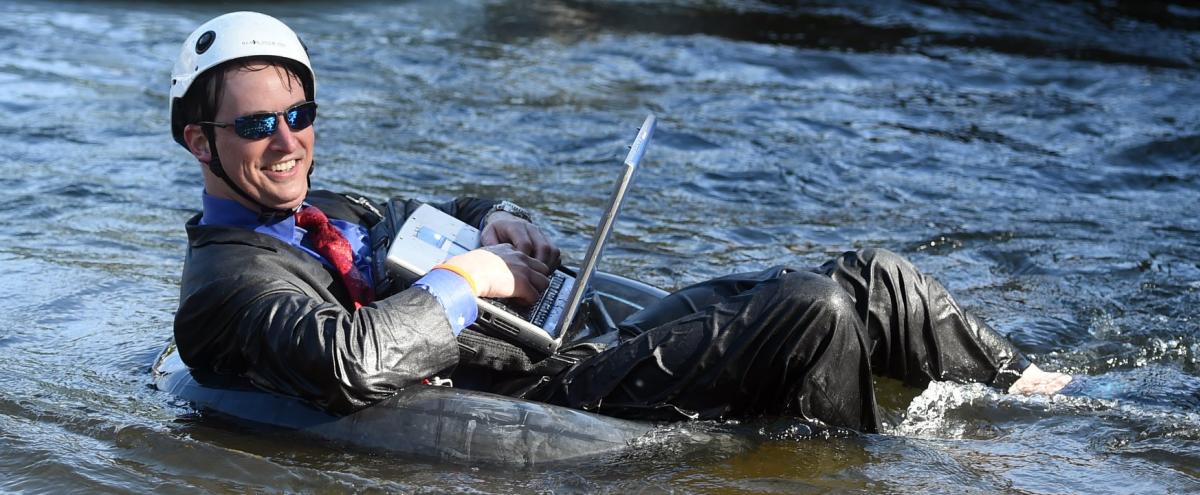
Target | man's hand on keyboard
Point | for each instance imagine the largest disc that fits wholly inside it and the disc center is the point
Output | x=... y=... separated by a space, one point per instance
x=502 y=272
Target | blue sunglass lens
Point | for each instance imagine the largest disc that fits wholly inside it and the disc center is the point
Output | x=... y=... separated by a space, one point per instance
x=255 y=126
x=299 y=118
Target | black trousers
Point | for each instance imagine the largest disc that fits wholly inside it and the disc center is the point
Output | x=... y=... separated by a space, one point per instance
x=785 y=341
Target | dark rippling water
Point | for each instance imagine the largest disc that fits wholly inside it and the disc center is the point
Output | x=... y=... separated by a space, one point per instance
x=1041 y=158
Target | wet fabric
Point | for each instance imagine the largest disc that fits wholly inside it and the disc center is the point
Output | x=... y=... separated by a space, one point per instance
x=786 y=341
x=918 y=332
x=778 y=341
x=254 y=306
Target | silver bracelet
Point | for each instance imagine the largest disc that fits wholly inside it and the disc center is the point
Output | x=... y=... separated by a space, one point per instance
x=510 y=208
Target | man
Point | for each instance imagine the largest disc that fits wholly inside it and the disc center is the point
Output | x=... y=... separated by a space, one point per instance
x=278 y=286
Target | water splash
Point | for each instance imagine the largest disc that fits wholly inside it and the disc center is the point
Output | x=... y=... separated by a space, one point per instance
x=930 y=415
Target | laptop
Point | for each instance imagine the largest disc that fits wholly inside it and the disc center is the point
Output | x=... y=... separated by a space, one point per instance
x=430 y=236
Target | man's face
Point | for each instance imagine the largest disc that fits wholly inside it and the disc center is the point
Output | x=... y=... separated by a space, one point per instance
x=274 y=169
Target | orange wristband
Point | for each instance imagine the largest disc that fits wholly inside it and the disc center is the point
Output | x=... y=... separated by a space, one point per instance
x=462 y=273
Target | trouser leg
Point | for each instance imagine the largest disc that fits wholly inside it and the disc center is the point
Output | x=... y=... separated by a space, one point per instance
x=763 y=343
x=917 y=330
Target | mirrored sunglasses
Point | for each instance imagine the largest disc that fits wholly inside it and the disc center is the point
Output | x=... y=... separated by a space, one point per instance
x=261 y=125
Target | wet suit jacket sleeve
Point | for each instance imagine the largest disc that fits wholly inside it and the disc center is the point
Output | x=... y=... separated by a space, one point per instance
x=254 y=306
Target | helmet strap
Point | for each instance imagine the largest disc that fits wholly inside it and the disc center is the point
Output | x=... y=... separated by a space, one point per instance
x=266 y=214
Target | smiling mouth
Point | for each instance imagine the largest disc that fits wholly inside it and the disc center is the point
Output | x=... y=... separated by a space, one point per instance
x=283 y=166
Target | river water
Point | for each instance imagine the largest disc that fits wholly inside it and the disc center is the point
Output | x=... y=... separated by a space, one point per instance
x=1041 y=159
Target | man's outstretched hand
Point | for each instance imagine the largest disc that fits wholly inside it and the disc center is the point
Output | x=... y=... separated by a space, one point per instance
x=503 y=227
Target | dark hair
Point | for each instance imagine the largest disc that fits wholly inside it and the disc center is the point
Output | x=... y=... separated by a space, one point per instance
x=203 y=98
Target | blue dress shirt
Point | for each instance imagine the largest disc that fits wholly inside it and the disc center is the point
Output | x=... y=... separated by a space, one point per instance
x=449 y=288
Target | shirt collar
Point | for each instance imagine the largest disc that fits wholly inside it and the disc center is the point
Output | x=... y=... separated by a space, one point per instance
x=227 y=212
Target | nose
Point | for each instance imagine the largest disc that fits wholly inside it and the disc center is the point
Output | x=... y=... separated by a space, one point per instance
x=284 y=140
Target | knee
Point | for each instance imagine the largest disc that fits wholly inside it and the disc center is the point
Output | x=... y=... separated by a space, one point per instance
x=810 y=290
x=821 y=318
x=885 y=259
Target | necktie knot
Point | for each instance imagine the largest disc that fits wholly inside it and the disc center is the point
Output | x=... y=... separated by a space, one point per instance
x=310 y=218
x=329 y=242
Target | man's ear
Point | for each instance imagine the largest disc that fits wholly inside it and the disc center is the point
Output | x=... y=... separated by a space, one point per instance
x=197 y=143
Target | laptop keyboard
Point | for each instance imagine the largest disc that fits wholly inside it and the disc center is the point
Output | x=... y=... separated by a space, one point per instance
x=542 y=309
x=538 y=312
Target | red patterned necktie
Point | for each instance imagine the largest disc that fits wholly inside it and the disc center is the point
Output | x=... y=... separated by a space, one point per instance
x=328 y=241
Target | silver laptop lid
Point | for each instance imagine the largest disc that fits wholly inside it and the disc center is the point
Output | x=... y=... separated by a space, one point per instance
x=632 y=160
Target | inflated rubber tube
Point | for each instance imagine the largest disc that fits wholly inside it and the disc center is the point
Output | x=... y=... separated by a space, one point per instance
x=428 y=421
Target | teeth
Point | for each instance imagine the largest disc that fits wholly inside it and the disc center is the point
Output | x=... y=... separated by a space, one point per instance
x=282 y=166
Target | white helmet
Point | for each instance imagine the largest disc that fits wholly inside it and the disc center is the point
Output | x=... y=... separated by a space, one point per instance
x=233 y=36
